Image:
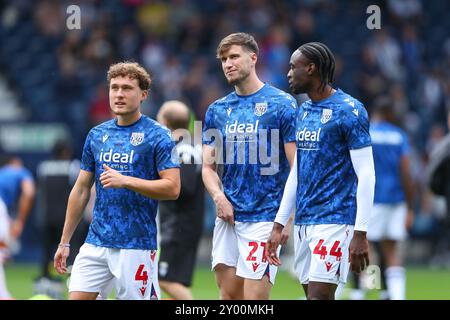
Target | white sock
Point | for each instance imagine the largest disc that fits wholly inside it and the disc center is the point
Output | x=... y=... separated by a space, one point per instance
x=396 y=282
x=384 y=295
x=4 y=293
x=357 y=294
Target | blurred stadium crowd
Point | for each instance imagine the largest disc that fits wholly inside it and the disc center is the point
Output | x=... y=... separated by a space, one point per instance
x=49 y=74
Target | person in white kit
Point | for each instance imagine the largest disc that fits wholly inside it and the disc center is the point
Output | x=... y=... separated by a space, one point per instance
x=332 y=179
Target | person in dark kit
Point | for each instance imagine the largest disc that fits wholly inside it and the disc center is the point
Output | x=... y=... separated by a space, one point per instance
x=438 y=175
x=181 y=220
x=55 y=178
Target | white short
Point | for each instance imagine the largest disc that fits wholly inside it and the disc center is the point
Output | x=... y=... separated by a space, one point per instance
x=242 y=247
x=321 y=253
x=387 y=222
x=134 y=273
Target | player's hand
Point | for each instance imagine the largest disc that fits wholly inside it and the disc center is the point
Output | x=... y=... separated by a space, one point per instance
x=110 y=178
x=272 y=244
x=60 y=259
x=225 y=210
x=16 y=229
x=285 y=234
x=359 y=252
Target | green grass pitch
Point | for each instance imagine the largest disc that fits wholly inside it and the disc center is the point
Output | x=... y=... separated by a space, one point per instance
x=422 y=283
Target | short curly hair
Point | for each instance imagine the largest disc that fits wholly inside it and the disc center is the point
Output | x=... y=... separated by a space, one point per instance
x=131 y=69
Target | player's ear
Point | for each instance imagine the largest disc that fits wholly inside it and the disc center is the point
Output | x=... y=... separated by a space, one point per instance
x=144 y=95
x=254 y=57
x=311 y=68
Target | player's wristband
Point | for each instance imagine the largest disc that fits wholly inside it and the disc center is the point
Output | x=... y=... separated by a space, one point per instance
x=64 y=245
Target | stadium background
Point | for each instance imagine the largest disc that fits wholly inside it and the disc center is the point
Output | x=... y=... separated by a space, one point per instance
x=53 y=83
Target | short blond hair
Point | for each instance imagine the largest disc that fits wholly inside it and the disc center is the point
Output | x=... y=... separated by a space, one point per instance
x=131 y=69
x=242 y=39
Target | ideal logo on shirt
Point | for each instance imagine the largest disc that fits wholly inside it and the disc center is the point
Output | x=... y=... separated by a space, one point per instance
x=237 y=127
x=117 y=157
x=308 y=139
x=308 y=135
